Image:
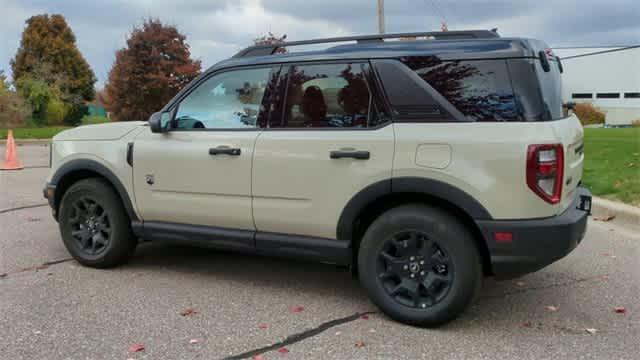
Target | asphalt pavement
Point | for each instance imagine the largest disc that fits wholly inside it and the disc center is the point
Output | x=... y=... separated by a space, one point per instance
x=242 y=306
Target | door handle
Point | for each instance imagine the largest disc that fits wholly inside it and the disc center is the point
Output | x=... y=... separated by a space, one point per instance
x=354 y=154
x=224 y=150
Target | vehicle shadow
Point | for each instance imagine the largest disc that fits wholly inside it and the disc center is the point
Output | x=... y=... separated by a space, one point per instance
x=494 y=303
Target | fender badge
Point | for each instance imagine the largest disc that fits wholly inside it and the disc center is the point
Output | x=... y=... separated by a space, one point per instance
x=149 y=179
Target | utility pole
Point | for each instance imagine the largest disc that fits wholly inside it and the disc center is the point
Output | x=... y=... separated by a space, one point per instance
x=381 y=16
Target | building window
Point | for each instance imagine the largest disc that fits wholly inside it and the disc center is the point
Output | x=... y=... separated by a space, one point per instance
x=582 y=96
x=608 y=95
x=632 y=95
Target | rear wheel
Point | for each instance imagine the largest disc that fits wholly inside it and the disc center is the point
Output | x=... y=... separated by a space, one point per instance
x=419 y=265
x=94 y=225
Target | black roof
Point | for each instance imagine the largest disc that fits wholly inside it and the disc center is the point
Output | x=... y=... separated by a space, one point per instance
x=456 y=45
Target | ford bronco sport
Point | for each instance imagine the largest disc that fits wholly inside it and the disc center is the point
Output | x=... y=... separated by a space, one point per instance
x=425 y=164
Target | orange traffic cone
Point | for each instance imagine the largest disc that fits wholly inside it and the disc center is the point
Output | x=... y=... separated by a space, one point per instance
x=11 y=161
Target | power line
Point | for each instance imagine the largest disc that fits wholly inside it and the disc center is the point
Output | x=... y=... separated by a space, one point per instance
x=600 y=52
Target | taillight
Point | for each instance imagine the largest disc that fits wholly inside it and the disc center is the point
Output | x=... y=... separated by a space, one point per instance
x=545 y=168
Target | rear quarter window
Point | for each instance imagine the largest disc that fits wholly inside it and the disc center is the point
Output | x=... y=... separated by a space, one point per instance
x=480 y=89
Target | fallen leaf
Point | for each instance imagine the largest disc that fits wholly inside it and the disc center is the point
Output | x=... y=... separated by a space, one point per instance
x=194 y=341
x=552 y=308
x=338 y=333
x=619 y=309
x=520 y=283
x=591 y=330
x=617 y=184
x=3 y=275
x=604 y=218
x=136 y=348
x=283 y=350
x=297 y=309
x=188 y=312
x=263 y=326
x=604 y=277
x=257 y=357
x=372 y=330
x=526 y=324
x=364 y=317
x=359 y=344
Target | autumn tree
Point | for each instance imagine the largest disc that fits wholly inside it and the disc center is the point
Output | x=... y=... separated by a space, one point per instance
x=48 y=53
x=148 y=72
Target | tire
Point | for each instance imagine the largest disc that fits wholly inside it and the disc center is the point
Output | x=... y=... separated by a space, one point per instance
x=446 y=282
x=94 y=224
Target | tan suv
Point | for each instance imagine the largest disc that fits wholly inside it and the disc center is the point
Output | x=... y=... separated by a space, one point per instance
x=425 y=165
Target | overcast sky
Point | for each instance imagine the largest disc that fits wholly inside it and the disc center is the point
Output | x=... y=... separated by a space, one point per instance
x=216 y=29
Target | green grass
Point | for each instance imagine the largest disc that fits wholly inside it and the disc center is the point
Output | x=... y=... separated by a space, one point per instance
x=94 y=119
x=612 y=163
x=33 y=132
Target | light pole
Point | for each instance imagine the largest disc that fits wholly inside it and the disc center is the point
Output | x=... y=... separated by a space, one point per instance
x=381 y=16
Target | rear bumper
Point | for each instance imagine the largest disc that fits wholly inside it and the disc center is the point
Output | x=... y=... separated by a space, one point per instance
x=539 y=242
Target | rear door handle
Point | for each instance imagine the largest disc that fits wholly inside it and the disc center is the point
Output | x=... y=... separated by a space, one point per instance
x=224 y=150
x=354 y=154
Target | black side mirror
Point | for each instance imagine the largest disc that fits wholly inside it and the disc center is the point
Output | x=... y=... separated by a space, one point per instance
x=159 y=121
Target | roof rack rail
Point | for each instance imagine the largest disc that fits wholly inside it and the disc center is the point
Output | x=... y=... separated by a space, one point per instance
x=269 y=49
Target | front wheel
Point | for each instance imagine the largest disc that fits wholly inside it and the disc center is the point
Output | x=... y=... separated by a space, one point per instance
x=94 y=225
x=419 y=265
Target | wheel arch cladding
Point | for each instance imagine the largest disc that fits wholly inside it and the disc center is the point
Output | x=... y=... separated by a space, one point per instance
x=79 y=169
x=379 y=197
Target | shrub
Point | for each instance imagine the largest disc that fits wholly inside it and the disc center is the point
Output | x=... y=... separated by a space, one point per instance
x=589 y=114
x=75 y=114
x=37 y=94
x=635 y=123
x=55 y=112
x=13 y=109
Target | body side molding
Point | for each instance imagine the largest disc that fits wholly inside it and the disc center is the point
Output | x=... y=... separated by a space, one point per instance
x=248 y=241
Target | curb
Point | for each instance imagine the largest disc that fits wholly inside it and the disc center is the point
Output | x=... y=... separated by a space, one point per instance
x=623 y=213
x=27 y=141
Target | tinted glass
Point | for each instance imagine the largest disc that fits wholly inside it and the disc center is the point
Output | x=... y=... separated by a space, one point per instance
x=228 y=100
x=325 y=96
x=480 y=89
x=551 y=88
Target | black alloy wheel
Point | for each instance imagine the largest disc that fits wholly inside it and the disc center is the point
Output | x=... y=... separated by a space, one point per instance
x=414 y=270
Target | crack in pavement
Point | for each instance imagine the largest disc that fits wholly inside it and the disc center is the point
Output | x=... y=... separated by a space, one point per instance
x=292 y=339
x=42 y=266
x=535 y=288
x=3 y=211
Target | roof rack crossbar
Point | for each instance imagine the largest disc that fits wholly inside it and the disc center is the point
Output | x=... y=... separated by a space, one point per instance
x=269 y=49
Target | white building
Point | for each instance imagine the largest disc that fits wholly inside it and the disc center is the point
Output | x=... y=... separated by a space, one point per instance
x=607 y=77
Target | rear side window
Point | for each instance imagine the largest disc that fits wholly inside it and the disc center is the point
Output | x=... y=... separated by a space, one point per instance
x=325 y=96
x=480 y=89
x=551 y=88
